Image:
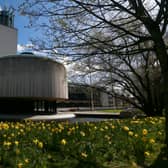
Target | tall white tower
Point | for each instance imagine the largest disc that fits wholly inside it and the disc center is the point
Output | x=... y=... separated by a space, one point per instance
x=8 y=34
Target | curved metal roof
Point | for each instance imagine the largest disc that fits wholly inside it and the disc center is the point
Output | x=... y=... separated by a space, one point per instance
x=31 y=55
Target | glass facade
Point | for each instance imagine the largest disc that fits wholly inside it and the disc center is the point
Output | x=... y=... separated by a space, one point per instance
x=7 y=18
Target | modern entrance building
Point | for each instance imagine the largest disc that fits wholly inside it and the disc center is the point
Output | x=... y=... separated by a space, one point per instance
x=28 y=83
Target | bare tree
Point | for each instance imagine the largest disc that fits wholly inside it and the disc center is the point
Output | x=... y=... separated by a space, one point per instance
x=138 y=79
x=71 y=23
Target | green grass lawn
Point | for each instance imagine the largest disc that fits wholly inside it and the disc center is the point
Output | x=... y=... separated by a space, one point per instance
x=111 y=110
x=109 y=144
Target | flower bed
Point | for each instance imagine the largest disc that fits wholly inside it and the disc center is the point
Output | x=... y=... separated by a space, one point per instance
x=112 y=143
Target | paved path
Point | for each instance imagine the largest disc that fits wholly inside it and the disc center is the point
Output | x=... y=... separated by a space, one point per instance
x=59 y=116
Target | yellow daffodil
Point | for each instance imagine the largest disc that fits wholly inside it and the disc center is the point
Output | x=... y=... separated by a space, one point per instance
x=130 y=133
x=35 y=141
x=126 y=128
x=135 y=122
x=16 y=127
x=6 y=143
x=152 y=122
x=82 y=133
x=63 y=142
x=107 y=137
x=159 y=133
x=26 y=160
x=16 y=143
x=134 y=165
x=152 y=141
x=146 y=153
x=5 y=126
x=84 y=155
x=49 y=156
x=21 y=130
x=17 y=151
x=61 y=126
x=136 y=135
x=4 y=135
x=144 y=132
x=40 y=144
x=106 y=127
x=20 y=165
x=12 y=134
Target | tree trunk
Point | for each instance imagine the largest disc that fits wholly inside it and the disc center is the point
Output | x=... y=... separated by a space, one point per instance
x=161 y=53
x=151 y=111
x=162 y=159
x=165 y=96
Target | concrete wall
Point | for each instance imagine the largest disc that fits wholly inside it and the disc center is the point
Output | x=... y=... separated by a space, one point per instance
x=8 y=40
x=32 y=77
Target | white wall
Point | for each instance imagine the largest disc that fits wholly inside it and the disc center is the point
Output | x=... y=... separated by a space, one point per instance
x=8 y=40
